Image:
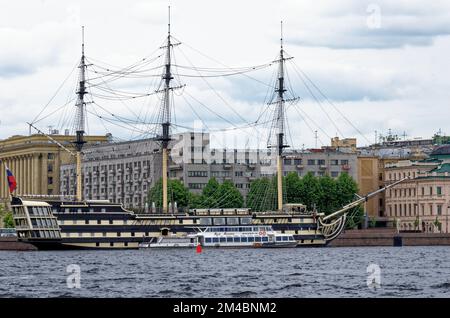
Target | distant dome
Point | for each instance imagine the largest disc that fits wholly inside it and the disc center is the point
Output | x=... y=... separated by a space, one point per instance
x=441 y=150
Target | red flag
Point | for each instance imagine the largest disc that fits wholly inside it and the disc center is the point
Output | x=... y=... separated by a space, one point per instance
x=11 y=180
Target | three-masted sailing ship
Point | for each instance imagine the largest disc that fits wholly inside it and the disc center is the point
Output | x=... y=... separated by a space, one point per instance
x=68 y=224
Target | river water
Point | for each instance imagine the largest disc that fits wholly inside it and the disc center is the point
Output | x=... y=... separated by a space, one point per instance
x=298 y=272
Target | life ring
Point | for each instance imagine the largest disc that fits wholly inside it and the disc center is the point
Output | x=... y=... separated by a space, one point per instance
x=262 y=233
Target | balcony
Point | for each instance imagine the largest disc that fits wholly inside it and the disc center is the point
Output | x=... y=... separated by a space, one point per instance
x=227 y=166
x=322 y=167
x=175 y=167
x=346 y=167
x=251 y=166
x=299 y=166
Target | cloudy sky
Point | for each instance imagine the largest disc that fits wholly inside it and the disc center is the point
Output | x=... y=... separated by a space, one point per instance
x=381 y=65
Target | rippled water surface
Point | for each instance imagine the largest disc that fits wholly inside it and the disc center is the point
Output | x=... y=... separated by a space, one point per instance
x=310 y=272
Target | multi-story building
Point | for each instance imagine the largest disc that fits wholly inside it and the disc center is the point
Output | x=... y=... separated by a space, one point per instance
x=35 y=162
x=121 y=172
x=422 y=203
x=124 y=172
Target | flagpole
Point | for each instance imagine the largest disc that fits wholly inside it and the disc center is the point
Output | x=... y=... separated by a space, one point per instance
x=9 y=192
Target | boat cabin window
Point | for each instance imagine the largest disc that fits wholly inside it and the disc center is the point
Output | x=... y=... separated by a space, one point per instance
x=208 y=240
x=232 y=221
x=244 y=239
x=265 y=239
x=103 y=210
x=251 y=239
x=278 y=238
x=205 y=221
x=229 y=240
x=223 y=239
x=67 y=210
x=219 y=221
x=215 y=240
x=258 y=239
x=237 y=239
x=285 y=238
x=246 y=221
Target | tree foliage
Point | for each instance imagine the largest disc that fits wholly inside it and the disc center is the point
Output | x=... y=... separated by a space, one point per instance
x=177 y=192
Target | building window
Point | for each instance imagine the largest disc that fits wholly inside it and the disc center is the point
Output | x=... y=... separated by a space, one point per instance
x=439 y=209
x=321 y=162
x=311 y=162
x=431 y=190
x=238 y=173
x=50 y=167
x=297 y=161
x=334 y=162
x=50 y=180
x=50 y=156
x=439 y=191
x=288 y=162
x=431 y=209
x=344 y=162
x=334 y=174
x=197 y=173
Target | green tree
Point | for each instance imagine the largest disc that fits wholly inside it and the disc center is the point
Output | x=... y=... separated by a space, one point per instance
x=177 y=192
x=346 y=187
x=292 y=182
x=8 y=220
x=262 y=195
x=228 y=196
x=328 y=196
x=210 y=194
x=309 y=190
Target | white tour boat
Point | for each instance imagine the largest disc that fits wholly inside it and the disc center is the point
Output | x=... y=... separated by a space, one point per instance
x=226 y=236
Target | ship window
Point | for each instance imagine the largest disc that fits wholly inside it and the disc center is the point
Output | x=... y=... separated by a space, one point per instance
x=285 y=238
x=97 y=244
x=223 y=239
x=91 y=210
x=244 y=239
x=237 y=240
x=246 y=220
x=118 y=233
x=275 y=220
x=99 y=222
x=67 y=210
x=278 y=238
x=103 y=210
x=125 y=244
x=232 y=221
x=132 y=233
x=110 y=221
x=194 y=221
x=215 y=240
x=265 y=239
x=86 y=221
x=258 y=239
x=180 y=221
x=251 y=239
x=79 y=210
x=208 y=240
x=303 y=241
x=205 y=221
x=111 y=244
x=229 y=240
x=219 y=221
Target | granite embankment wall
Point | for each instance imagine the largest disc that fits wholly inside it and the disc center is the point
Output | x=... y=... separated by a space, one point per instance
x=389 y=237
x=11 y=244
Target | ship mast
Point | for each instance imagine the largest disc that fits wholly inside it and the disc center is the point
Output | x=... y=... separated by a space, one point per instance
x=279 y=118
x=165 y=117
x=80 y=119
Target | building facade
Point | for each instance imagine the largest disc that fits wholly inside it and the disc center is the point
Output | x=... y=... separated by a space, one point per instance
x=35 y=162
x=422 y=203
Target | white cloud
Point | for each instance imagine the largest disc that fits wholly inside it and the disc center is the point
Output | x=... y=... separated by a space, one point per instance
x=391 y=77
